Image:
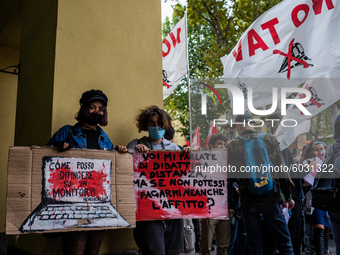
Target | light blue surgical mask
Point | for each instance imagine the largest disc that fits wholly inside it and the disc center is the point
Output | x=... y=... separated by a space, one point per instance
x=156 y=132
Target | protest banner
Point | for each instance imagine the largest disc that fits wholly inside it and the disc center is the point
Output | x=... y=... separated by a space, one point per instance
x=52 y=191
x=175 y=59
x=324 y=92
x=291 y=43
x=171 y=185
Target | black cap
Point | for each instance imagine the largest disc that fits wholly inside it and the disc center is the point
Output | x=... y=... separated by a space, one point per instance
x=246 y=116
x=93 y=95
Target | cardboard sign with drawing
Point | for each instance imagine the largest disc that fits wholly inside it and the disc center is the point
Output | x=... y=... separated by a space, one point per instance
x=51 y=191
x=76 y=192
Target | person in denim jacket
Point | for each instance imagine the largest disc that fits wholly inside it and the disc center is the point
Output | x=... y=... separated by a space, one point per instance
x=86 y=134
x=78 y=138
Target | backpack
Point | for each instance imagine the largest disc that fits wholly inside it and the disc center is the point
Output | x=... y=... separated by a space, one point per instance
x=257 y=161
x=325 y=192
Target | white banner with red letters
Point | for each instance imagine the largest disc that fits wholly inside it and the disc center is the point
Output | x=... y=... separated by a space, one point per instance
x=293 y=42
x=175 y=60
x=174 y=185
x=325 y=91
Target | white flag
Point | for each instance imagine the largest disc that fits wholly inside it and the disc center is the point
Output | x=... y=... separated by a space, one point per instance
x=175 y=60
x=291 y=43
x=325 y=91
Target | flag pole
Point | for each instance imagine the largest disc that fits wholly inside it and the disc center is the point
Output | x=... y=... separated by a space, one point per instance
x=188 y=80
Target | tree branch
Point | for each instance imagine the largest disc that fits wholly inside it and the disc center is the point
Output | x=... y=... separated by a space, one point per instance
x=256 y=13
x=198 y=12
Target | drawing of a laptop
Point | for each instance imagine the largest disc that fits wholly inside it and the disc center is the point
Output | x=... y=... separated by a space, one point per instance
x=76 y=192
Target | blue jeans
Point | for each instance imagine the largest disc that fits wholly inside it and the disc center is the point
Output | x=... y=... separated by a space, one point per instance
x=275 y=222
x=334 y=222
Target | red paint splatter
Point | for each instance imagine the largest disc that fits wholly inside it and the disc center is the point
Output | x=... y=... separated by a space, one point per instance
x=60 y=179
x=144 y=207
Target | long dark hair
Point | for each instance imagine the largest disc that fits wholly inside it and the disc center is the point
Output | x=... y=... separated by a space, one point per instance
x=307 y=152
x=84 y=113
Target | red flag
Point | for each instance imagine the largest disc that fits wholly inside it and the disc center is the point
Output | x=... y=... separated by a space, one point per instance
x=196 y=140
x=212 y=130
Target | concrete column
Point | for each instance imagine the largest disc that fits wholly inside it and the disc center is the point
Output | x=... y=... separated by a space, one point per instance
x=36 y=81
x=68 y=47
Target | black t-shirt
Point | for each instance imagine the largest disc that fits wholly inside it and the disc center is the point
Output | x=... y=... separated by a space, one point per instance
x=91 y=138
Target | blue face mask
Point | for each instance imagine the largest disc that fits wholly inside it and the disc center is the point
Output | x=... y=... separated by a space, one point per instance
x=156 y=132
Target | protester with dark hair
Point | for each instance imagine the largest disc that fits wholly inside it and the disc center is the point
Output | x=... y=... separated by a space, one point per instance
x=88 y=135
x=221 y=228
x=218 y=140
x=316 y=222
x=310 y=237
x=157 y=237
x=319 y=217
x=266 y=206
x=295 y=224
x=307 y=152
x=169 y=134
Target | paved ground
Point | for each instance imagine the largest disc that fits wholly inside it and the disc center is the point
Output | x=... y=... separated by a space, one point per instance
x=13 y=251
x=331 y=248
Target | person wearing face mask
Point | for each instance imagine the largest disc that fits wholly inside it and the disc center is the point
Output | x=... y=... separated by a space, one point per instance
x=157 y=237
x=319 y=217
x=85 y=134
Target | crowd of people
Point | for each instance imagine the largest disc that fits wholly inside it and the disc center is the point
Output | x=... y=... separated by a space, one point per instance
x=254 y=223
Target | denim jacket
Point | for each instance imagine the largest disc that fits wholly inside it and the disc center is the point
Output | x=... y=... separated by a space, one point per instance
x=78 y=139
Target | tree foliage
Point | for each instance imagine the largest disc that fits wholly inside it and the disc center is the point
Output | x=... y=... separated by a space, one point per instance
x=214 y=27
x=322 y=124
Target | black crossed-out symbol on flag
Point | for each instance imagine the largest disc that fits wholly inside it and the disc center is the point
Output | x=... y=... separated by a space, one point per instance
x=310 y=100
x=290 y=57
x=165 y=79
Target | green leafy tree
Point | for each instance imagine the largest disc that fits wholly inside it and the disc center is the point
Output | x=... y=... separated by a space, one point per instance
x=214 y=27
x=322 y=124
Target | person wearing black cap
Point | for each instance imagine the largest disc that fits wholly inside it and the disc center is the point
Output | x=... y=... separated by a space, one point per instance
x=253 y=206
x=88 y=135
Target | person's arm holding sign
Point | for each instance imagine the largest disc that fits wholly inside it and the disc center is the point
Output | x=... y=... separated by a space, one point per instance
x=85 y=134
x=154 y=121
